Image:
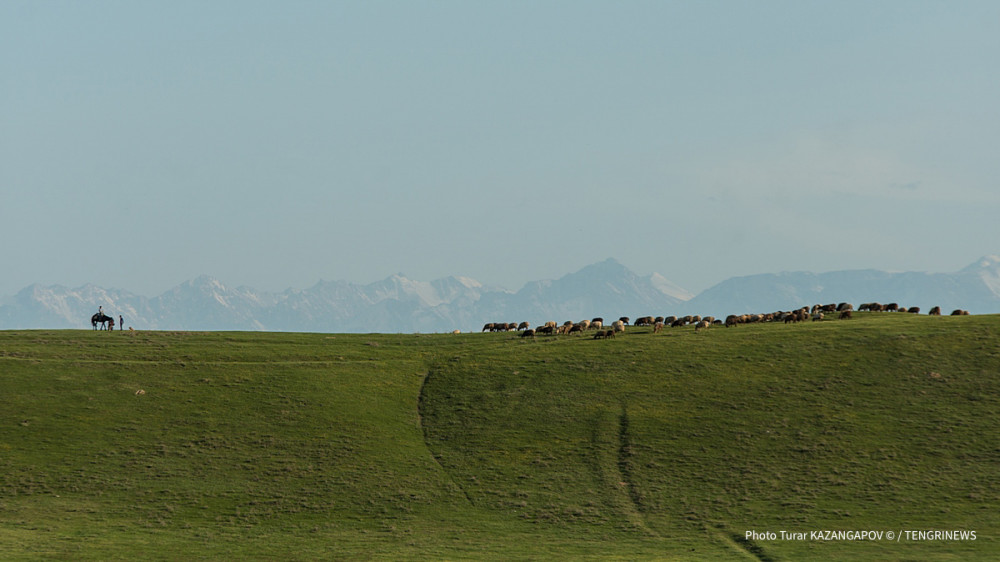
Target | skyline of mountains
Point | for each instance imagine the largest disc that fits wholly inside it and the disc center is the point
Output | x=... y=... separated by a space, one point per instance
x=399 y=304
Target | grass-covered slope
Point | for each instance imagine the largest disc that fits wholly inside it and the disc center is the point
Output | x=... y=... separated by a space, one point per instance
x=668 y=445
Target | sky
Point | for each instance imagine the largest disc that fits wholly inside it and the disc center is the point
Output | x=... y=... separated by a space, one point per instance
x=277 y=144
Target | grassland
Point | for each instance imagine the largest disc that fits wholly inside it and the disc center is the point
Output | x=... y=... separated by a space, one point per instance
x=166 y=445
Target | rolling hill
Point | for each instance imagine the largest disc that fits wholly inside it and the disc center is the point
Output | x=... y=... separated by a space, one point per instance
x=166 y=445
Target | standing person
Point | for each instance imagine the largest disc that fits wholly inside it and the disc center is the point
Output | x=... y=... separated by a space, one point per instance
x=121 y=322
x=111 y=324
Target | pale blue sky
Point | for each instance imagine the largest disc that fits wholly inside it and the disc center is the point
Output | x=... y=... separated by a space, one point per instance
x=274 y=144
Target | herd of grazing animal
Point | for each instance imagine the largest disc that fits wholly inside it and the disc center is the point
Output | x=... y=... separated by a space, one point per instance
x=816 y=313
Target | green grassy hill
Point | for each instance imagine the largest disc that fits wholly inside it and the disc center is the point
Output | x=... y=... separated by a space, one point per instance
x=164 y=445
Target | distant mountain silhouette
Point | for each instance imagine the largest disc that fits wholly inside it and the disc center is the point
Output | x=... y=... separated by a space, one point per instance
x=399 y=304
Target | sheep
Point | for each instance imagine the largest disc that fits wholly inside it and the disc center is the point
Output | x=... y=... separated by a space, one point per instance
x=596 y=324
x=817 y=316
x=599 y=320
x=599 y=335
x=644 y=321
x=619 y=326
x=575 y=328
x=528 y=333
x=610 y=334
x=585 y=324
x=846 y=314
x=844 y=306
x=914 y=310
x=523 y=326
x=959 y=312
x=657 y=327
x=936 y=311
x=488 y=327
x=701 y=325
x=623 y=319
x=732 y=320
x=891 y=307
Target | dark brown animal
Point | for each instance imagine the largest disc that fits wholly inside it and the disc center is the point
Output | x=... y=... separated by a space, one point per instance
x=936 y=311
x=846 y=315
x=644 y=321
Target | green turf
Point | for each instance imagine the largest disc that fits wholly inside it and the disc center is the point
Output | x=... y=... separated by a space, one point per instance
x=472 y=446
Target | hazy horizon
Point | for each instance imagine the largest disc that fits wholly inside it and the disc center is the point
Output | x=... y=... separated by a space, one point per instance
x=673 y=287
x=275 y=145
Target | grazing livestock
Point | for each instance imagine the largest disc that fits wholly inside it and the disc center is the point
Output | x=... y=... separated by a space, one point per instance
x=529 y=333
x=550 y=330
x=959 y=312
x=817 y=316
x=733 y=320
x=701 y=325
x=844 y=306
x=618 y=326
x=585 y=324
x=891 y=307
x=596 y=324
x=846 y=314
x=488 y=327
x=598 y=320
x=523 y=326
x=657 y=327
x=936 y=311
x=644 y=321
x=914 y=310
x=623 y=320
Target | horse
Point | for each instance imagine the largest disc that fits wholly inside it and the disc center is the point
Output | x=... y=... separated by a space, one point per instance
x=101 y=319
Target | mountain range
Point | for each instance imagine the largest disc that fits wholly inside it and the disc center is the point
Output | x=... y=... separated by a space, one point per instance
x=399 y=304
